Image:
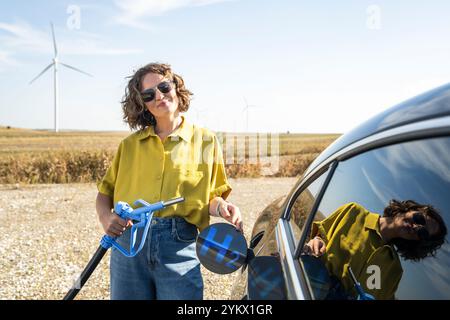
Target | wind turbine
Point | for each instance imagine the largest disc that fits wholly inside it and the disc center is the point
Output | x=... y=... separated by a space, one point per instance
x=55 y=64
x=247 y=107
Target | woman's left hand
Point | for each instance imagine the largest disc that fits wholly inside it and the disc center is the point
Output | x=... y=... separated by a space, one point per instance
x=315 y=247
x=232 y=214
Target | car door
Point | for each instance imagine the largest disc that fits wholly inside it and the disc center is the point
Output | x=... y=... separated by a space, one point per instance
x=417 y=170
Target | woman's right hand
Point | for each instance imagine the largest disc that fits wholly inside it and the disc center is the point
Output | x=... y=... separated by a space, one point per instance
x=315 y=247
x=113 y=225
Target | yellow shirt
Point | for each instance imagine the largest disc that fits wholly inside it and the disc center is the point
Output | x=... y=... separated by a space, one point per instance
x=353 y=237
x=188 y=163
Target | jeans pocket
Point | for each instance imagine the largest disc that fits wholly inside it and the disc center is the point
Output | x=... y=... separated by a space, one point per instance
x=123 y=240
x=185 y=232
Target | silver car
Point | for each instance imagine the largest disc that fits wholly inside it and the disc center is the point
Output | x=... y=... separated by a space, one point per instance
x=402 y=154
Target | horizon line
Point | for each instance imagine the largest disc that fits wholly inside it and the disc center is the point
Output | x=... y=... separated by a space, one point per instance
x=130 y=132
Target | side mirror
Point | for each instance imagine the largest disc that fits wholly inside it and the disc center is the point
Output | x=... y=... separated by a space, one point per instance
x=221 y=248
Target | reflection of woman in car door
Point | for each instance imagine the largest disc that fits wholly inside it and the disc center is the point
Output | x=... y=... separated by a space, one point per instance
x=370 y=244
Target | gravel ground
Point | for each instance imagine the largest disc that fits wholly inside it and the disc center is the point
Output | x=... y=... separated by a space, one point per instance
x=49 y=232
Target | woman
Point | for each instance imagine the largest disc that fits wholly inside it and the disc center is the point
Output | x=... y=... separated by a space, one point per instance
x=370 y=244
x=166 y=158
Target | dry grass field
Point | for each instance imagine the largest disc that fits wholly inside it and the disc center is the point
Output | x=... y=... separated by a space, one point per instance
x=14 y=141
x=36 y=156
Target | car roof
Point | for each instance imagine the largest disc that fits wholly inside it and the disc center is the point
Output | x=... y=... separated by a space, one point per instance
x=429 y=105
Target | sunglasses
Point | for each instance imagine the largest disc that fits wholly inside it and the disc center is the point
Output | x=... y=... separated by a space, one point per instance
x=419 y=219
x=164 y=87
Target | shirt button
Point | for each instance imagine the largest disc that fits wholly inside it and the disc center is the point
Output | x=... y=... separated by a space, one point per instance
x=158 y=177
x=154 y=222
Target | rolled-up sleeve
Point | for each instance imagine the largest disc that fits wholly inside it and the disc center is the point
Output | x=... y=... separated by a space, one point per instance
x=106 y=186
x=219 y=186
x=326 y=228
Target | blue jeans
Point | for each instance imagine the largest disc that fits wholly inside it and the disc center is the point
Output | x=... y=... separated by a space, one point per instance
x=167 y=268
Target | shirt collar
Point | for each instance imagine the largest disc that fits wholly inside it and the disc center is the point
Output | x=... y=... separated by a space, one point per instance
x=185 y=131
x=372 y=222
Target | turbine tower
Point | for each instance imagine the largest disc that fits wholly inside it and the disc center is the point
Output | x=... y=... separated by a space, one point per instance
x=55 y=63
x=246 y=108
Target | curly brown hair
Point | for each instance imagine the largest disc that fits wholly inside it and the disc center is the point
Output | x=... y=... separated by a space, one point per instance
x=416 y=250
x=135 y=113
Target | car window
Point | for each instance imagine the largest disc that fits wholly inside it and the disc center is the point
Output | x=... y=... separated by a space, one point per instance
x=401 y=186
x=303 y=205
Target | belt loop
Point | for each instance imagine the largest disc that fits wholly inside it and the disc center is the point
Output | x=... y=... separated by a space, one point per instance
x=174 y=225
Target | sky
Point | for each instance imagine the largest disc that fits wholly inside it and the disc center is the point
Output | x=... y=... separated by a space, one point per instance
x=301 y=66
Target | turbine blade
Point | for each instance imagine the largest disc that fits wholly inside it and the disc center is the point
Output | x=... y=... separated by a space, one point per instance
x=245 y=100
x=42 y=72
x=54 y=40
x=76 y=69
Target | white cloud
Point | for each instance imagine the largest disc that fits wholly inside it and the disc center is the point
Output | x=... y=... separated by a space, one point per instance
x=133 y=11
x=6 y=60
x=5 y=57
x=22 y=35
x=24 y=38
x=89 y=46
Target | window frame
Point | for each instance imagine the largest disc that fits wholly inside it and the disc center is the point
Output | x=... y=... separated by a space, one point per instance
x=327 y=170
x=300 y=188
x=304 y=234
x=297 y=284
